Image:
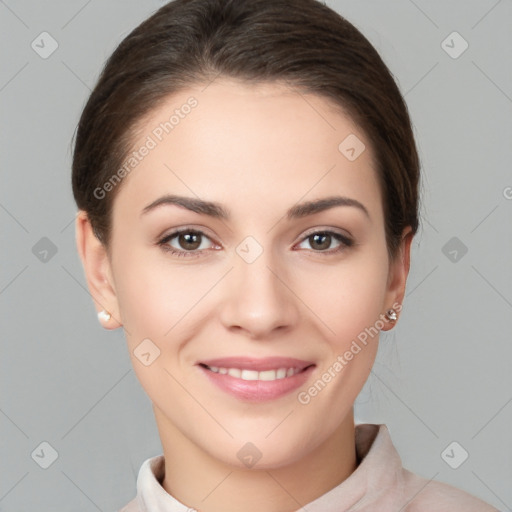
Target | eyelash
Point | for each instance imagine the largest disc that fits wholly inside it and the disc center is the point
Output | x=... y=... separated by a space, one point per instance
x=345 y=242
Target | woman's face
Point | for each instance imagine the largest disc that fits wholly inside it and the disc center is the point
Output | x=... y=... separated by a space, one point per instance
x=249 y=278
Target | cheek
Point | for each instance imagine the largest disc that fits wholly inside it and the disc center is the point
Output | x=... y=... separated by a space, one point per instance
x=157 y=297
x=347 y=297
x=154 y=299
x=154 y=294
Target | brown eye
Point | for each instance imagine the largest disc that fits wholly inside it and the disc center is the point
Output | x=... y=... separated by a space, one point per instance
x=323 y=241
x=189 y=241
x=320 y=241
x=186 y=242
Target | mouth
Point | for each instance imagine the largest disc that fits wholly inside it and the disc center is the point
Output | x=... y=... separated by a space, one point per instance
x=264 y=375
x=250 y=379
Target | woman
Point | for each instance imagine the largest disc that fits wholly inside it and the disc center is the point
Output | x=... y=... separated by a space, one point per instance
x=247 y=183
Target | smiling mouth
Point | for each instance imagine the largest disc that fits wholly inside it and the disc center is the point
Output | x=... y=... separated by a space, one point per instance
x=252 y=375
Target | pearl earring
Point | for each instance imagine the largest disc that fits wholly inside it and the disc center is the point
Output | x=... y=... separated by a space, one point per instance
x=391 y=315
x=104 y=315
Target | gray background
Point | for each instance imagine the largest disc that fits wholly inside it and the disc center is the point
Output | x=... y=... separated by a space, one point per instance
x=442 y=375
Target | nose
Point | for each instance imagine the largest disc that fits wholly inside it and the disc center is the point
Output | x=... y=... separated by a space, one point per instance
x=258 y=299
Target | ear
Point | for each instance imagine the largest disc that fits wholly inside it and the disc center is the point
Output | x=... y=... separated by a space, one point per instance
x=397 y=276
x=98 y=272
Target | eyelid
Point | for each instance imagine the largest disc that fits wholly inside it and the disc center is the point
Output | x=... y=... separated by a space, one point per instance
x=345 y=240
x=186 y=229
x=204 y=231
x=326 y=229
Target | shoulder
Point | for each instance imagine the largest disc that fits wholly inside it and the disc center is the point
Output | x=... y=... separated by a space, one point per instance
x=423 y=495
x=132 y=506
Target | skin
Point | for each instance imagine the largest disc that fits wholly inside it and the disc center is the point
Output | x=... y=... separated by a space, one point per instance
x=258 y=150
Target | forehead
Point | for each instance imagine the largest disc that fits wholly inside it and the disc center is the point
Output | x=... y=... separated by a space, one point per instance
x=238 y=143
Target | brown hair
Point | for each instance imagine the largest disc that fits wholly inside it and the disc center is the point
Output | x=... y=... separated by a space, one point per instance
x=300 y=42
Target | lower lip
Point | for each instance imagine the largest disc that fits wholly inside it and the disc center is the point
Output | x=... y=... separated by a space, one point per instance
x=257 y=390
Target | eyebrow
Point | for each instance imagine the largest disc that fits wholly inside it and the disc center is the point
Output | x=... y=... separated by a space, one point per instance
x=217 y=211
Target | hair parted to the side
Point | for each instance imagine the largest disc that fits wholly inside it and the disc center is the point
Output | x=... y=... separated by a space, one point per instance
x=302 y=43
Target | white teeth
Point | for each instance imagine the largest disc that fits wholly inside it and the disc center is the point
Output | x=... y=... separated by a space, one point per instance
x=267 y=375
x=249 y=375
x=281 y=373
x=235 y=372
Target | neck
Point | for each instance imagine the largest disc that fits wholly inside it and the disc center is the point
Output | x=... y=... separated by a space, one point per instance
x=200 y=481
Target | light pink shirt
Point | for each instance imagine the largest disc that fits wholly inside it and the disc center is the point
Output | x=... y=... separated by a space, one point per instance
x=379 y=484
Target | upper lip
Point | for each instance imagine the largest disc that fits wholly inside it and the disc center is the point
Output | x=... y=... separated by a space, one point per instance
x=251 y=363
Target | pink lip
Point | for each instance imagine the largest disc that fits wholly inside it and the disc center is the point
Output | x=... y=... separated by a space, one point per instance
x=260 y=365
x=256 y=390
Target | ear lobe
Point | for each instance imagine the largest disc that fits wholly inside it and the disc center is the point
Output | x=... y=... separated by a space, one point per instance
x=95 y=261
x=398 y=272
